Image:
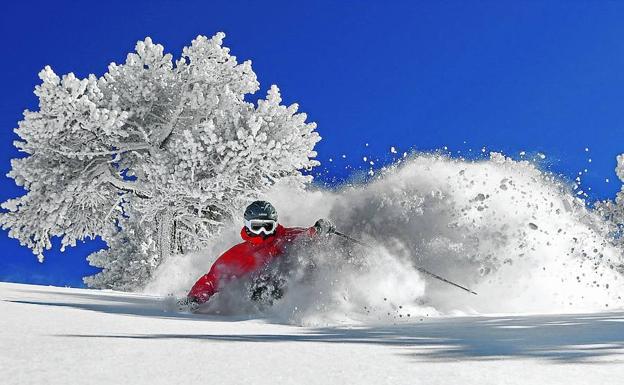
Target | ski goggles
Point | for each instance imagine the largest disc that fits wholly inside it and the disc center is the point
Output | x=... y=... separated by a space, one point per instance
x=258 y=226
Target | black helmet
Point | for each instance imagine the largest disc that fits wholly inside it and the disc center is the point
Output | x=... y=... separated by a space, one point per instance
x=260 y=210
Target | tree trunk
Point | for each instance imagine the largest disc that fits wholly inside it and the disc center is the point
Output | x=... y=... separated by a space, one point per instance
x=166 y=235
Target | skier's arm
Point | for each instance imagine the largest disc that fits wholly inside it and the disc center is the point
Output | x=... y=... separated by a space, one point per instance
x=205 y=287
x=229 y=265
x=321 y=227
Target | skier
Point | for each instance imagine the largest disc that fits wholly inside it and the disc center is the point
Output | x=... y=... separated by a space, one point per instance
x=265 y=240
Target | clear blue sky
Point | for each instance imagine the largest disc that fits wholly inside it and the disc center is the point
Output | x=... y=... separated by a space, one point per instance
x=511 y=76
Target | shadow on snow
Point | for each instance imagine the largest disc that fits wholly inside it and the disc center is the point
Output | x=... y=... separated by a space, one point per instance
x=563 y=337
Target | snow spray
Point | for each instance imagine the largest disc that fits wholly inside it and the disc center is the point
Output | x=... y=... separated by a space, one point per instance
x=513 y=233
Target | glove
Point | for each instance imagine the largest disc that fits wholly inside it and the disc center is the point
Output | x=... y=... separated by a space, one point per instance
x=324 y=227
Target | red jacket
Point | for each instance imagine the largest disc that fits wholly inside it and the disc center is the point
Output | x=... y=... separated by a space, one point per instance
x=245 y=258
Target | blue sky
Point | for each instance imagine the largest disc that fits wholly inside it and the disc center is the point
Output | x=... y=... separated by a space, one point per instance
x=511 y=76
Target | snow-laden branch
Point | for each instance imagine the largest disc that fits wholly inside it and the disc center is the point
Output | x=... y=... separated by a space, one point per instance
x=125 y=148
x=123 y=185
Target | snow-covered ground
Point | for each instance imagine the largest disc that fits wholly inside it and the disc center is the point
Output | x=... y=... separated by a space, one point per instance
x=51 y=335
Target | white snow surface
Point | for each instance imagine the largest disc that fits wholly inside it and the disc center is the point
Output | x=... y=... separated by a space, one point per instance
x=51 y=335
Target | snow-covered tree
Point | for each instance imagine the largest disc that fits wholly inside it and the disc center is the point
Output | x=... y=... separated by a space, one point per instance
x=613 y=210
x=153 y=156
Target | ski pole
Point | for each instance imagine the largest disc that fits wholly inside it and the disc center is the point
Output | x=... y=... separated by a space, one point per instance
x=422 y=270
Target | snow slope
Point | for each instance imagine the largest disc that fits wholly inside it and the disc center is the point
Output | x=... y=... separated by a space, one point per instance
x=52 y=335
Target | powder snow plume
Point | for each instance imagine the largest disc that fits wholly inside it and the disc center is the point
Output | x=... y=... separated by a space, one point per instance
x=514 y=234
